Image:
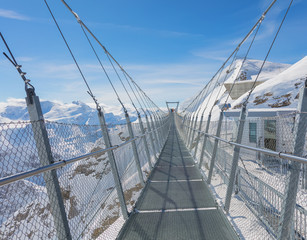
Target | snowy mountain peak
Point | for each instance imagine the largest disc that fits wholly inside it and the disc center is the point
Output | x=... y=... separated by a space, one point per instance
x=279 y=91
x=280 y=84
x=76 y=112
x=250 y=69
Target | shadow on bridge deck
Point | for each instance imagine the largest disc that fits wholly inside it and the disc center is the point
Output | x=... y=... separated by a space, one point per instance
x=176 y=203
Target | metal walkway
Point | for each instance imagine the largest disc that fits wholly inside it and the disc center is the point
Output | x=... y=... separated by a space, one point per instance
x=176 y=203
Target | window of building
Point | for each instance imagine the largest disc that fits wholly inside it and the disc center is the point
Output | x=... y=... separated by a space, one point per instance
x=270 y=134
x=253 y=132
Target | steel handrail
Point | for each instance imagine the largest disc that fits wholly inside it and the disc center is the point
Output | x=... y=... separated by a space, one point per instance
x=56 y=165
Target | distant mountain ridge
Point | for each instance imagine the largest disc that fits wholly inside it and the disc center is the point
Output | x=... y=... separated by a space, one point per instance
x=76 y=112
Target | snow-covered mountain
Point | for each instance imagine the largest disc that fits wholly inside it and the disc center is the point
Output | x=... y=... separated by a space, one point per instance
x=76 y=112
x=87 y=186
x=279 y=88
x=247 y=72
x=250 y=69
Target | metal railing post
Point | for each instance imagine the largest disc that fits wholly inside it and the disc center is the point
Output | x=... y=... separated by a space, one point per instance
x=153 y=128
x=216 y=142
x=116 y=177
x=198 y=135
x=145 y=141
x=286 y=220
x=193 y=133
x=235 y=159
x=159 y=130
x=190 y=126
x=154 y=148
x=201 y=159
x=45 y=156
x=134 y=149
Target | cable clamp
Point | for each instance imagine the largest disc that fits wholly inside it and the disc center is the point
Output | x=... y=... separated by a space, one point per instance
x=18 y=66
x=76 y=16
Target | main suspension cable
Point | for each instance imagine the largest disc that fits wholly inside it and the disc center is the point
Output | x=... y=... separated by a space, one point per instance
x=107 y=75
x=245 y=57
x=72 y=55
x=267 y=55
x=95 y=38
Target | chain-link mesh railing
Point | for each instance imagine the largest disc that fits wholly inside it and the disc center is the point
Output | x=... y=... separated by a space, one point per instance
x=86 y=185
x=262 y=180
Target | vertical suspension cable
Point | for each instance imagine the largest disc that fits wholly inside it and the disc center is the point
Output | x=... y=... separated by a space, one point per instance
x=107 y=75
x=245 y=57
x=73 y=57
x=268 y=53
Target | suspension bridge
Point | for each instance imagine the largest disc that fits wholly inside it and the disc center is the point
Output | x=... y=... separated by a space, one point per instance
x=197 y=171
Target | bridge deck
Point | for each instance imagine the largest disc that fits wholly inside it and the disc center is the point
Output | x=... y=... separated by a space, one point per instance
x=176 y=203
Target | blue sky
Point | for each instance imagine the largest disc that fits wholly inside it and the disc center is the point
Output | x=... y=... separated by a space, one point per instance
x=171 y=48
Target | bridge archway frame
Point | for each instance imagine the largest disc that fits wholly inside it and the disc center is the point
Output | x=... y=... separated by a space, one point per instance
x=177 y=105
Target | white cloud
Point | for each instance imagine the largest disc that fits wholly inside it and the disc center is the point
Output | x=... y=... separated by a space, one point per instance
x=13 y=15
x=58 y=80
x=161 y=32
x=218 y=55
x=24 y=59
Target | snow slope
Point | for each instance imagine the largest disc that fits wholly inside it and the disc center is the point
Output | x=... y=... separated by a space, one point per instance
x=280 y=89
x=247 y=72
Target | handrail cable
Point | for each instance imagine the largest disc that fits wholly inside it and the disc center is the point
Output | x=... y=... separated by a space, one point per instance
x=132 y=90
x=95 y=38
x=107 y=75
x=267 y=55
x=198 y=102
x=247 y=35
x=245 y=57
x=230 y=69
x=141 y=98
x=206 y=97
x=16 y=65
x=72 y=55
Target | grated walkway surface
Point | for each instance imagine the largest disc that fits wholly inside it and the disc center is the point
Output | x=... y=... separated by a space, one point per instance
x=176 y=203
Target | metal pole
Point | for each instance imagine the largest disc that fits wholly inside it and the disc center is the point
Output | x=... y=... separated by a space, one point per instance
x=45 y=156
x=235 y=159
x=154 y=148
x=198 y=134
x=193 y=133
x=216 y=142
x=145 y=141
x=190 y=129
x=111 y=157
x=201 y=159
x=159 y=130
x=155 y=133
x=135 y=152
x=286 y=221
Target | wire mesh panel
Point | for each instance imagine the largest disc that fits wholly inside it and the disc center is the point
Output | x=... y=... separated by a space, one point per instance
x=26 y=210
x=18 y=151
x=86 y=187
x=72 y=140
x=258 y=201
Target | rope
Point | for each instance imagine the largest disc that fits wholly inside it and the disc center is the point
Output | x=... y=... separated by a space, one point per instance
x=237 y=77
x=244 y=39
x=132 y=92
x=16 y=65
x=264 y=61
x=227 y=72
x=104 y=48
x=107 y=75
x=72 y=55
